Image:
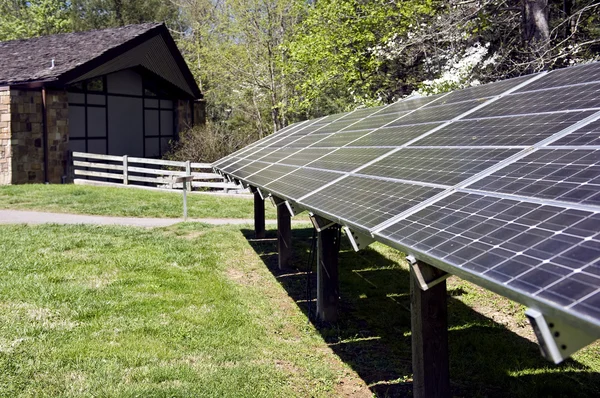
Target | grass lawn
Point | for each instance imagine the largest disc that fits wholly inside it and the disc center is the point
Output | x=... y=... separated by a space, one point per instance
x=195 y=310
x=109 y=201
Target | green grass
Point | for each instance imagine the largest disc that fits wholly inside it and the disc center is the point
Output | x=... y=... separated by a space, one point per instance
x=195 y=310
x=123 y=202
x=176 y=312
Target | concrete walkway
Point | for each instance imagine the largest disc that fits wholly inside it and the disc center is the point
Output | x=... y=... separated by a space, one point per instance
x=38 y=217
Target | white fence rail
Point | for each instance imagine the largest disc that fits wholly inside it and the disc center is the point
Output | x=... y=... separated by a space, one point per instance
x=145 y=173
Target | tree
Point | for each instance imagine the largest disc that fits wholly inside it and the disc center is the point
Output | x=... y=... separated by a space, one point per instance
x=235 y=48
x=21 y=19
x=99 y=14
x=335 y=54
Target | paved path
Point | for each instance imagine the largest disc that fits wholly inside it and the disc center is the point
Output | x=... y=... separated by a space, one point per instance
x=38 y=217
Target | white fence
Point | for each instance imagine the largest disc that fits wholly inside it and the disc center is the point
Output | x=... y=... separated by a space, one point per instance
x=145 y=173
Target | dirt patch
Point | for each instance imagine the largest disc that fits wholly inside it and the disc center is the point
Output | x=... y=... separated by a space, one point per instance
x=243 y=278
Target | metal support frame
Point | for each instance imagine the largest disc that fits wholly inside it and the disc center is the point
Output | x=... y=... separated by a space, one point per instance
x=429 y=334
x=284 y=235
x=557 y=339
x=328 y=291
x=259 y=214
x=426 y=275
x=276 y=201
x=357 y=240
x=293 y=208
x=320 y=223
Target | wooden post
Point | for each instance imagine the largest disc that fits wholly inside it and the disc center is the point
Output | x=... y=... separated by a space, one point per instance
x=125 y=171
x=328 y=291
x=429 y=325
x=259 y=215
x=284 y=236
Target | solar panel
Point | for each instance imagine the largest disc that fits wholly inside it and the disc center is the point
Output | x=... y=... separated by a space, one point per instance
x=447 y=166
x=570 y=175
x=342 y=138
x=587 y=135
x=394 y=136
x=498 y=183
x=367 y=201
x=530 y=250
x=568 y=76
x=301 y=182
x=551 y=100
x=347 y=159
x=502 y=131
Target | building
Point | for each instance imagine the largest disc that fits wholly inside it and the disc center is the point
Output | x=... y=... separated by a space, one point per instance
x=119 y=91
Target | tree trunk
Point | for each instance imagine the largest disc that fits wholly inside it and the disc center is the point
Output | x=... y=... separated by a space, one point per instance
x=535 y=20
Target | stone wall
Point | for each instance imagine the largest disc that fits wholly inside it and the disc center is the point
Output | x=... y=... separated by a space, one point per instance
x=5 y=152
x=22 y=136
x=57 y=119
x=26 y=136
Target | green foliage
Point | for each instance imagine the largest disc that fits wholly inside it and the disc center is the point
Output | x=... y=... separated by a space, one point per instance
x=99 y=14
x=334 y=53
x=23 y=19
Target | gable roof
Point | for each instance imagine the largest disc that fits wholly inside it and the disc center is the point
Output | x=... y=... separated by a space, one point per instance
x=69 y=57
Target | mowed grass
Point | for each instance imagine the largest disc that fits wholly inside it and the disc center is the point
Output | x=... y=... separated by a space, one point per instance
x=184 y=311
x=124 y=202
x=195 y=310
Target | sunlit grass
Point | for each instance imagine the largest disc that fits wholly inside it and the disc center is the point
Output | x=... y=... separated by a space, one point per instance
x=112 y=201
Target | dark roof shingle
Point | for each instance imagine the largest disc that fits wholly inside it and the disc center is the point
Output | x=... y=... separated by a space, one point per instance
x=30 y=60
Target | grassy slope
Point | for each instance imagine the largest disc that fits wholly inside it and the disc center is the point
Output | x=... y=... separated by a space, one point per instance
x=123 y=202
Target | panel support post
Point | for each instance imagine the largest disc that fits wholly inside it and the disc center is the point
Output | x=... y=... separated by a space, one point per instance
x=429 y=325
x=259 y=214
x=328 y=290
x=284 y=236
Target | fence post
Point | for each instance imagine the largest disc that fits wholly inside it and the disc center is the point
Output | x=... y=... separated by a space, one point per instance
x=188 y=172
x=125 y=171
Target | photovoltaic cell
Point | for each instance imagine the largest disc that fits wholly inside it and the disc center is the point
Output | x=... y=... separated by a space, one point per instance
x=249 y=168
x=587 y=135
x=394 y=136
x=504 y=131
x=533 y=249
x=301 y=182
x=366 y=201
x=568 y=76
x=447 y=166
x=348 y=159
x=269 y=174
x=235 y=164
x=276 y=154
x=410 y=104
x=341 y=139
x=570 y=175
x=305 y=156
x=377 y=121
x=551 y=100
x=484 y=91
x=437 y=113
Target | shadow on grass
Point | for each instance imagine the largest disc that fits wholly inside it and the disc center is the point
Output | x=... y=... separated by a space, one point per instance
x=373 y=332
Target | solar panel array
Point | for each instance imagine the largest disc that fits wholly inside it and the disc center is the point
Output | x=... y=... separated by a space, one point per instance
x=499 y=184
